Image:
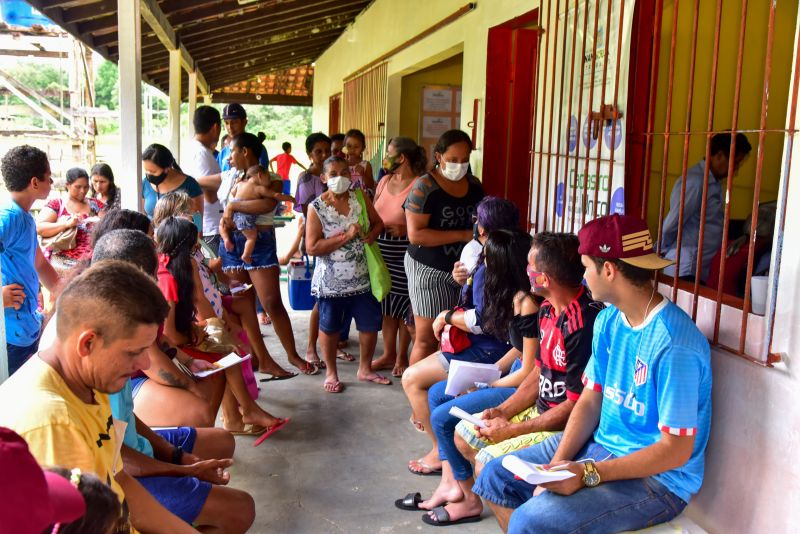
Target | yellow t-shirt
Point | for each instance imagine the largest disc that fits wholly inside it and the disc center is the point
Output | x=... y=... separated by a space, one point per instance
x=61 y=429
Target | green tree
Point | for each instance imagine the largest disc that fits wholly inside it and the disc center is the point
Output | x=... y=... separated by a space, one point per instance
x=106 y=86
x=45 y=79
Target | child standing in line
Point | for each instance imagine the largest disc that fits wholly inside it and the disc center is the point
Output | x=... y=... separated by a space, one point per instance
x=360 y=170
x=254 y=186
x=284 y=163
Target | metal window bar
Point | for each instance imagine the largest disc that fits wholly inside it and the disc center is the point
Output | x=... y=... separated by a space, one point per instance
x=547 y=82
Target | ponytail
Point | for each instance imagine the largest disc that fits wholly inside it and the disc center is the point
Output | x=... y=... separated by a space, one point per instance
x=415 y=154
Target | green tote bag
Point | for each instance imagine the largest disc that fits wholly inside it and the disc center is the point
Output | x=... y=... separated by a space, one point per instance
x=379 y=277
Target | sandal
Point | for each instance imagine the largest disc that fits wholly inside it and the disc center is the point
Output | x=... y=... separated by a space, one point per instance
x=271 y=430
x=249 y=430
x=427 y=471
x=409 y=502
x=345 y=356
x=417 y=425
x=307 y=368
x=441 y=518
x=377 y=379
x=334 y=386
x=319 y=364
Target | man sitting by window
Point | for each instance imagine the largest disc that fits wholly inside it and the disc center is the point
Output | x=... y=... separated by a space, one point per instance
x=718 y=167
x=636 y=439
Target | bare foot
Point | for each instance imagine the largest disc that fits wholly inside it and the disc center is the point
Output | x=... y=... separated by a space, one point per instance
x=313 y=357
x=383 y=362
x=257 y=416
x=399 y=369
x=468 y=507
x=275 y=371
x=345 y=356
x=375 y=378
x=444 y=493
x=263 y=318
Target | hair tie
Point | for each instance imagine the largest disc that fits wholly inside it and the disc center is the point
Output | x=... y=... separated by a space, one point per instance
x=75 y=477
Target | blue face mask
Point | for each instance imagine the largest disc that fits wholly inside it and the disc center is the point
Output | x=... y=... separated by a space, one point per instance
x=197 y=219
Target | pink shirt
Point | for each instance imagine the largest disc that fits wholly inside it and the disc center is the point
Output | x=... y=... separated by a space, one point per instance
x=389 y=206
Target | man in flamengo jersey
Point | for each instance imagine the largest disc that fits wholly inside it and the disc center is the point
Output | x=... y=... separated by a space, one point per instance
x=637 y=437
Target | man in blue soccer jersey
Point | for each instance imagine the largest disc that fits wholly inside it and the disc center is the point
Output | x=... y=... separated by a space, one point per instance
x=636 y=439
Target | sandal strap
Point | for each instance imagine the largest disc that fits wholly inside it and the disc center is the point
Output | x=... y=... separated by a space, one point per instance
x=412 y=499
x=441 y=515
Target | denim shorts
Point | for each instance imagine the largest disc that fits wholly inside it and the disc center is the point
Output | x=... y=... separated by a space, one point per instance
x=179 y=436
x=364 y=308
x=245 y=221
x=471 y=354
x=265 y=254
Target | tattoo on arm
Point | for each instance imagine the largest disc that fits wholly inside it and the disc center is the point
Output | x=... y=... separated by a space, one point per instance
x=171 y=379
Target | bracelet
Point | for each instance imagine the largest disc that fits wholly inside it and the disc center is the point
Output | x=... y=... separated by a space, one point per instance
x=177 y=455
x=448 y=316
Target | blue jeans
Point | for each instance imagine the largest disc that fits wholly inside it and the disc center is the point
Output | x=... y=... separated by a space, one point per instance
x=444 y=425
x=610 y=507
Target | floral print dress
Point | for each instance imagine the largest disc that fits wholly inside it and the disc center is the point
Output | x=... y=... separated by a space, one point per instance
x=343 y=272
x=66 y=259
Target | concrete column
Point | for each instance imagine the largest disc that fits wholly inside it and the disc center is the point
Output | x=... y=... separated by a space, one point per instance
x=192 y=103
x=129 y=19
x=207 y=99
x=175 y=103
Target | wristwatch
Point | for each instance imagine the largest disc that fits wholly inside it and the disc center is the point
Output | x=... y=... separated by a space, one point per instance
x=591 y=477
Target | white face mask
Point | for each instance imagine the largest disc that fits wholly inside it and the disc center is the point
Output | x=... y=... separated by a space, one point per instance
x=338 y=184
x=454 y=171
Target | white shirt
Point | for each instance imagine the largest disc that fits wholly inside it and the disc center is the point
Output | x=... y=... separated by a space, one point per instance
x=199 y=161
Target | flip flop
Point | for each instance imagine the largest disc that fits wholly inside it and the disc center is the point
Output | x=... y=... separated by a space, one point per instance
x=410 y=502
x=319 y=364
x=271 y=430
x=270 y=377
x=249 y=430
x=377 y=379
x=431 y=472
x=443 y=518
x=336 y=386
x=344 y=356
x=417 y=425
x=307 y=368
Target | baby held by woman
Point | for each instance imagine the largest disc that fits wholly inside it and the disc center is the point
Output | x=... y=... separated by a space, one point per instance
x=254 y=186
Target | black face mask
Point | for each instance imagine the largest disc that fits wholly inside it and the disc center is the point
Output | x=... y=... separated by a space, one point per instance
x=156 y=179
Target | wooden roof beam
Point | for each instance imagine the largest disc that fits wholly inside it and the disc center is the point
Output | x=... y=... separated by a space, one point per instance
x=91 y=11
x=156 y=19
x=222 y=79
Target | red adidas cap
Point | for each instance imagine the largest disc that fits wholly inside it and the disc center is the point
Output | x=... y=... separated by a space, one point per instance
x=621 y=237
x=32 y=499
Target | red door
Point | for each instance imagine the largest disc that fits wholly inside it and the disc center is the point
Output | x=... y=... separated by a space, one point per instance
x=510 y=82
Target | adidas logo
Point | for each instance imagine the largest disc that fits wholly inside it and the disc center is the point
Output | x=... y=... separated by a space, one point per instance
x=605 y=249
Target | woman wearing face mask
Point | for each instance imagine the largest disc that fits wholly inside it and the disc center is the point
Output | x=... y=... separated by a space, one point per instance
x=439 y=212
x=341 y=279
x=76 y=211
x=162 y=176
x=404 y=162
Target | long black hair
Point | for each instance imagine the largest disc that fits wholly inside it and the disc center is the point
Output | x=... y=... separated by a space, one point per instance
x=104 y=170
x=415 y=154
x=506 y=256
x=161 y=156
x=176 y=238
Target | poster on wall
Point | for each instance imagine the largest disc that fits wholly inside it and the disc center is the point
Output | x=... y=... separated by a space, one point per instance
x=440 y=110
x=578 y=188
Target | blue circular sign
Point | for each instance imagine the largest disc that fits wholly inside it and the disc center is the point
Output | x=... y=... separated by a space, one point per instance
x=572 y=135
x=588 y=140
x=617 y=202
x=617 y=128
x=560 y=200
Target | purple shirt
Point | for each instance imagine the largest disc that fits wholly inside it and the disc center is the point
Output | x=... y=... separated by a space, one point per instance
x=309 y=187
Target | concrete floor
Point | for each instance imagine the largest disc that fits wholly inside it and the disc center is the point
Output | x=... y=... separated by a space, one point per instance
x=341 y=462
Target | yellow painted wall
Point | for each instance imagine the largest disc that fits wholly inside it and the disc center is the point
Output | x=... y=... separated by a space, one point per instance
x=750 y=100
x=447 y=72
x=388 y=23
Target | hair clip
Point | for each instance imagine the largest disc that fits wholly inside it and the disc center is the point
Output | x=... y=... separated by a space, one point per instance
x=75 y=477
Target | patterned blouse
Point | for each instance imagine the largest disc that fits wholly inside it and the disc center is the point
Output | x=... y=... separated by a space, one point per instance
x=83 y=249
x=343 y=272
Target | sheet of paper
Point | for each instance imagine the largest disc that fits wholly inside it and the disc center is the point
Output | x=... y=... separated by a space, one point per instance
x=534 y=473
x=463 y=375
x=223 y=363
x=119 y=436
x=461 y=414
x=240 y=289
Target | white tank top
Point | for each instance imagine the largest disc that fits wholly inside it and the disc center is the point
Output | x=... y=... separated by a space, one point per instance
x=212 y=213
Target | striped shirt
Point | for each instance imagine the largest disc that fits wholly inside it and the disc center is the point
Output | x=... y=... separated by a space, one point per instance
x=654 y=378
